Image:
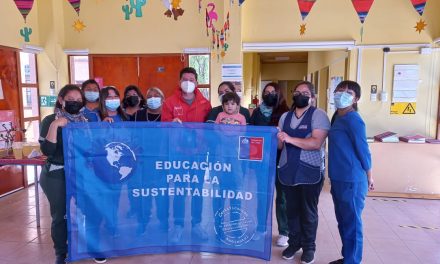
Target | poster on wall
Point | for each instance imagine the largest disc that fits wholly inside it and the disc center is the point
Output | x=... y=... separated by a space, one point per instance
x=232 y=72
x=334 y=81
x=405 y=83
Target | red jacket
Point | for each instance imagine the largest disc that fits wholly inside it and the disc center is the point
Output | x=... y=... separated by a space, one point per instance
x=176 y=107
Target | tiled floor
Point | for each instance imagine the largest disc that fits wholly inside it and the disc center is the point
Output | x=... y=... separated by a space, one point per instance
x=385 y=240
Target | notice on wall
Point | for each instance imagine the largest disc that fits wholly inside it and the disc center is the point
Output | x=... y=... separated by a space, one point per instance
x=232 y=72
x=1 y=91
x=403 y=109
x=405 y=83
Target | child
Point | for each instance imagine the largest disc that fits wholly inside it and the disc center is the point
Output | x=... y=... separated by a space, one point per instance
x=230 y=114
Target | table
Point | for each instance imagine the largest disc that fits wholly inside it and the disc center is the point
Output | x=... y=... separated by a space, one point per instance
x=35 y=162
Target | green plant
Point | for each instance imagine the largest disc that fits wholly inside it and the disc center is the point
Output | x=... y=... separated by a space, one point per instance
x=128 y=10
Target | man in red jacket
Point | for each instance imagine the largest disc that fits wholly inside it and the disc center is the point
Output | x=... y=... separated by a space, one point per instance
x=187 y=104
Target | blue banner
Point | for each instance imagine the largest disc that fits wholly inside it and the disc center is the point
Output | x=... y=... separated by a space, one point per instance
x=147 y=187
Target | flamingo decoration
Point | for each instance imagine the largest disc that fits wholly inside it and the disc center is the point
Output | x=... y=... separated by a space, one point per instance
x=212 y=14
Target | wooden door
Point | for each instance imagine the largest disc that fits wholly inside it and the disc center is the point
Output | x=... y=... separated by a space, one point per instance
x=11 y=177
x=115 y=70
x=160 y=71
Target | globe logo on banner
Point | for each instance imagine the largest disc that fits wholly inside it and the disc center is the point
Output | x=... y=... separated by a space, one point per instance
x=120 y=162
x=251 y=148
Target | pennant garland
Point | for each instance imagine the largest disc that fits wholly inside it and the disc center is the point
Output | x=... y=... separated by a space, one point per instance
x=24 y=6
x=304 y=7
x=240 y=2
x=362 y=8
x=76 y=5
x=419 y=5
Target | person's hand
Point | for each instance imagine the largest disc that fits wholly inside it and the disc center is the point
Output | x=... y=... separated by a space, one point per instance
x=61 y=122
x=108 y=119
x=177 y=120
x=283 y=137
x=370 y=183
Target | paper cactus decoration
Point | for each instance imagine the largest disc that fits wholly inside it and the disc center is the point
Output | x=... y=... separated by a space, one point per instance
x=128 y=10
x=24 y=6
x=25 y=33
x=362 y=8
x=419 y=5
x=305 y=6
x=76 y=5
x=137 y=5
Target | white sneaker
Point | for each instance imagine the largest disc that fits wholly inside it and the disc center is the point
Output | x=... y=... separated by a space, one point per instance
x=282 y=241
x=100 y=260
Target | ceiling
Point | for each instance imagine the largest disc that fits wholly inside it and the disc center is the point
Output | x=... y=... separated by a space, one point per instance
x=284 y=57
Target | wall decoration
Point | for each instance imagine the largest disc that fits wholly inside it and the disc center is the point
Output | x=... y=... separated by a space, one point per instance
x=173 y=8
x=362 y=8
x=419 y=5
x=137 y=5
x=128 y=10
x=212 y=14
x=76 y=5
x=304 y=7
x=240 y=2
x=78 y=25
x=24 y=6
x=420 y=26
x=25 y=33
x=200 y=6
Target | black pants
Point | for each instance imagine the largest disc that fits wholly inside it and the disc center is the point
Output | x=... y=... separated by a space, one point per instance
x=53 y=184
x=281 y=208
x=302 y=214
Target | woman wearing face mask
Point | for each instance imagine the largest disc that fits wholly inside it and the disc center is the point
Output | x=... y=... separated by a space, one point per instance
x=349 y=170
x=133 y=100
x=67 y=109
x=90 y=89
x=153 y=110
x=301 y=169
x=110 y=105
x=268 y=114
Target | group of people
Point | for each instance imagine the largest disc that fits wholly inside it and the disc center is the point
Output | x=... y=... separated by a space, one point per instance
x=303 y=130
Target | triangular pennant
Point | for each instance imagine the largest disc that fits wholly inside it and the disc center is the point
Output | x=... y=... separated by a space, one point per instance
x=240 y=2
x=305 y=6
x=76 y=5
x=362 y=8
x=419 y=5
x=24 y=6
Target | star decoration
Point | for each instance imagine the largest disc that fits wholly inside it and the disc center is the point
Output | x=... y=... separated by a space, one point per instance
x=78 y=25
x=420 y=26
x=302 y=29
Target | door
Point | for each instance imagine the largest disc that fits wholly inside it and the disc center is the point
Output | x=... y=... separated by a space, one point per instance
x=160 y=71
x=115 y=70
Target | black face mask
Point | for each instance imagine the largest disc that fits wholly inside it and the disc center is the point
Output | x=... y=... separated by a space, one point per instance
x=73 y=107
x=270 y=99
x=132 y=101
x=301 y=101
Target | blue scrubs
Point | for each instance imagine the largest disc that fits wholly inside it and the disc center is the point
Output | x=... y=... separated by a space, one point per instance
x=349 y=161
x=92 y=115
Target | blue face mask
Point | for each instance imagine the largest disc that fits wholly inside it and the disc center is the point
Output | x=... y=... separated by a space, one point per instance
x=343 y=100
x=154 y=102
x=112 y=104
x=91 y=96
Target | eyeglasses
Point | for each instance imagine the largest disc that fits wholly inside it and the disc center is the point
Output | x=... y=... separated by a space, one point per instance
x=303 y=93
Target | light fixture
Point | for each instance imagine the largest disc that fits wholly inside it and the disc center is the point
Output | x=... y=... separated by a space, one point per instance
x=282 y=58
x=77 y=52
x=288 y=46
x=196 y=51
x=31 y=49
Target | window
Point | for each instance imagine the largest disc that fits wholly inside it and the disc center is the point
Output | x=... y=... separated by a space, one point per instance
x=200 y=62
x=79 y=69
x=29 y=102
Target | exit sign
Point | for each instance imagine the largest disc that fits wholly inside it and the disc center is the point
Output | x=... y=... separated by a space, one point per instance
x=47 y=100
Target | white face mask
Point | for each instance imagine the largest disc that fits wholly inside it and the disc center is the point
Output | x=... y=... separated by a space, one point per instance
x=154 y=102
x=188 y=86
x=343 y=100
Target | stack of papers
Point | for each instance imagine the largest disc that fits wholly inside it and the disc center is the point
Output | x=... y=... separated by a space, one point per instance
x=387 y=137
x=413 y=139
